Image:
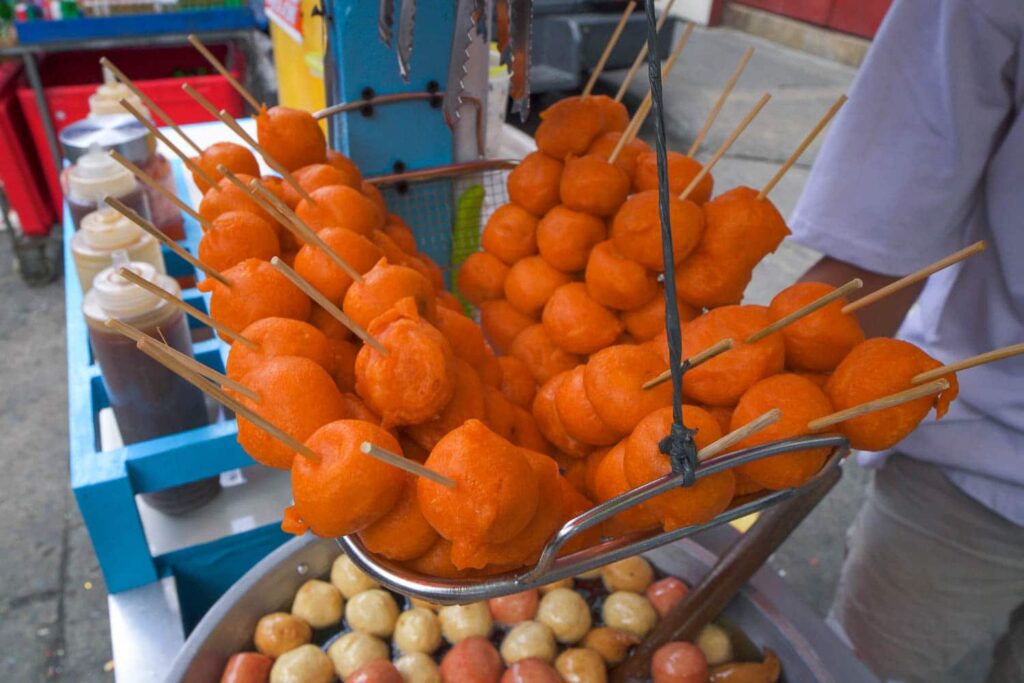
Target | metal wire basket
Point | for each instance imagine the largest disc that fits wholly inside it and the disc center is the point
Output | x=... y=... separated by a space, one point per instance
x=552 y=567
x=447 y=227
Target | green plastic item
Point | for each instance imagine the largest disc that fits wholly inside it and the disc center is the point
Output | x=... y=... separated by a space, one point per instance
x=466 y=235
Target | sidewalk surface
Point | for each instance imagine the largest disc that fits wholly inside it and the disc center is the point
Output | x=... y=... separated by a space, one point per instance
x=53 y=610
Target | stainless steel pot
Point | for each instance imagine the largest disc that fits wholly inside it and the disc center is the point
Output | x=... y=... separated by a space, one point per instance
x=767 y=611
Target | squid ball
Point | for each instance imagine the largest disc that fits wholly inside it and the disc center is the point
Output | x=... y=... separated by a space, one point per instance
x=305 y=664
x=629 y=612
x=373 y=611
x=417 y=630
x=528 y=639
x=459 y=622
x=318 y=603
x=566 y=613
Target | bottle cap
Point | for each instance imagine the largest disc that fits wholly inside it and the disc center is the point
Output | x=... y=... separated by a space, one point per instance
x=119 y=298
x=96 y=175
x=106 y=229
x=120 y=132
x=106 y=101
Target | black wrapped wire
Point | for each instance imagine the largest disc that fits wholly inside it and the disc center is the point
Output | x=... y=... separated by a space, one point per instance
x=678 y=445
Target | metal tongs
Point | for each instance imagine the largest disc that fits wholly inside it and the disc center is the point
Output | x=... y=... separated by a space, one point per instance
x=513 y=20
x=550 y=567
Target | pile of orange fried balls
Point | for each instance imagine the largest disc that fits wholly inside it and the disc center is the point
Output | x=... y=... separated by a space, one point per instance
x=538 y=412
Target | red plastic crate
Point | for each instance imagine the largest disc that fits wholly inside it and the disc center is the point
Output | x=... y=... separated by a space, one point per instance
x=71 y=77
x=20 y=171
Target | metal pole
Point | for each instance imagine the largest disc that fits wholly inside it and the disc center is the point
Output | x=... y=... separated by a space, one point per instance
x=32 y=73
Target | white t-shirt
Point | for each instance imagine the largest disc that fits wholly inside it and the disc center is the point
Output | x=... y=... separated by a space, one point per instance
x=925 y=158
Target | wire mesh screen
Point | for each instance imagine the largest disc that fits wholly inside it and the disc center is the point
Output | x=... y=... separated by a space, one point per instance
x=447 y=214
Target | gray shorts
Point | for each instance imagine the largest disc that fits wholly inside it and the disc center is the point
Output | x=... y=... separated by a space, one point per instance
x=931 y=576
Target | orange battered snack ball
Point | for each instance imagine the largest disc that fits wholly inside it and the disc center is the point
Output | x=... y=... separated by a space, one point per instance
x=236 y=236
x=344 y=353
x=800 y=401
x=236 y=158
x=466 y=403
x=816 y=342
x=339 y=206
x=614 y=381
x=311 y=178
x=517 y=383
x=591 y=185
x=525 y=547
x=495 y=494
x=328 y=324
x=721 y=380
x=437 y=561
x=375 y=196
x=344 y=490
x=628 y=155
x=229 y=197
x=510 y=234
x=531 y=282
x=722 y=415
x=279 y=337
x=464 y=335
x=876 y=368
x=319 y=270
x=636 y=229
x=482 y=278
x=502 y=322
x=609 y=480
x=545 y=413
x=291 y=136
x=403 y=533
x=297 y=396
x=577 y=415
x=569 y=127
x=577 y=323
x=489 y=369
x=356 y=409
x=400 y=233
x=533 y=184
x=416 y=379
x=648 y=321
x=545 y=359
x=681 y=171
x=499 y=413
x=739 y=231
x=565 y=238
x=526 y=433
x=644 y=462
x=383 y=286
x=448 y=300
x=257 y=291
x=346 y=166
x=616 y=281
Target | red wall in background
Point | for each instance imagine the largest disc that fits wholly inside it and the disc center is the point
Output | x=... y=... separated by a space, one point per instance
x=859 y=17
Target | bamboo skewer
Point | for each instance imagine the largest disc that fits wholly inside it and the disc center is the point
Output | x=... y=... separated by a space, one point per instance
x=720 y=152
x=188 y=361
x=186 y=159
x=187 y=307
x=260 y=201
x=641 y=55
x=882 y=403
x=306 y=233
x=128 y=213
x=804 y=311
x=972 y=362
x=616 y=34
x=150 y=104
x=916 y=276
x=733 y=438
x=715 y=110
x=692 y=362
x=231 y=123
x=410 y=466
x=644 y=109
x=223 y=71
x=325 y=303
x=228 y=401
x=149 y=180
x=804 y=144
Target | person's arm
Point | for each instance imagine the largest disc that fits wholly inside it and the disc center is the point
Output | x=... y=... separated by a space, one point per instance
x=899 y=179
x=880 y=319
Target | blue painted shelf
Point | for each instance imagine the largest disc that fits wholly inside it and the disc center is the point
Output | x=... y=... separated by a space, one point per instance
x=105 y=484
x=206 y=20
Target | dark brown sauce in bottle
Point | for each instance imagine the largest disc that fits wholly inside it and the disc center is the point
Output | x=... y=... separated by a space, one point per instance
x=148 y=400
